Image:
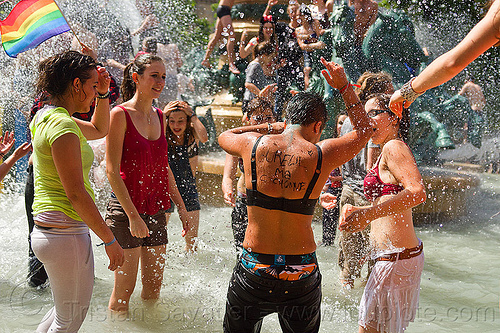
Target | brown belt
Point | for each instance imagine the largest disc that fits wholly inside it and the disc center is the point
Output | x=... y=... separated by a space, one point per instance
x=405 y=254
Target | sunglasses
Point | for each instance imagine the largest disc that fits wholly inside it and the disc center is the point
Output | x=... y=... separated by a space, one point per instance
x=374 y=113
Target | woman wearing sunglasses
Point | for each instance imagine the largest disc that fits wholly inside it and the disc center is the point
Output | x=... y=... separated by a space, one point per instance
x=394 y=186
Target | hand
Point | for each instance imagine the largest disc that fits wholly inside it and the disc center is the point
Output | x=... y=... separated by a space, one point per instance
x=22 y=150
x=353 y=219
x=334 y=74
x=186 y=108
x=229 y=198
x=138 y=227
x=88 y=51
x=398 y=102
x=171 y=106
x=328 y=201
x=268 y=91
x=278 y=128
x=7 y=143
x=244 y=35
x=271 y=3
x=103 y=80
x=115 y=255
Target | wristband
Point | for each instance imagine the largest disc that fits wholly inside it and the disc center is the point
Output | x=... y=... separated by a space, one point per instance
x=269 y=128
x=106 y=95
x=344 y=88
x=108 y=244
x=408 y=93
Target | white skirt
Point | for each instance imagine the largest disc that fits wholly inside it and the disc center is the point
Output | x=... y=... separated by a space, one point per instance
x=390 y=299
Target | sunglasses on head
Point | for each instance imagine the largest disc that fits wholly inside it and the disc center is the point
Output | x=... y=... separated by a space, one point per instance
x=374 y=113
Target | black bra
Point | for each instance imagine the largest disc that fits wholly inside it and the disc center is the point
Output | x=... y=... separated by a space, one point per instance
x=303 y=206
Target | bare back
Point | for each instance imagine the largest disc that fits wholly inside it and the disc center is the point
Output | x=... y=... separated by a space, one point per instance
x=284 y=167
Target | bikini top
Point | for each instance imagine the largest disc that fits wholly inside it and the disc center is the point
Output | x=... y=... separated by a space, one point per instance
x=304 y=206
x=374 y=187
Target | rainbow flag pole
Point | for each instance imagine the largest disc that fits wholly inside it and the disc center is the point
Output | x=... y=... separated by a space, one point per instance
x=30 y=23
x=67 y=22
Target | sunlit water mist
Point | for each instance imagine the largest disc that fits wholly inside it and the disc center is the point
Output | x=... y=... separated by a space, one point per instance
x=459 y=282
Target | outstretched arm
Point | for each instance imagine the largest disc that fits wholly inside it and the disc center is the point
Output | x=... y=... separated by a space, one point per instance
x=483 y=36
x=12 y=159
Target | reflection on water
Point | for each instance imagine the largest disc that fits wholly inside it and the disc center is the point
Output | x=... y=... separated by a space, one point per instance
x=459 y=282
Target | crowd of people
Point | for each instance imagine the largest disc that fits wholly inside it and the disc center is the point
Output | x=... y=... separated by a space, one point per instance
x=365 y=177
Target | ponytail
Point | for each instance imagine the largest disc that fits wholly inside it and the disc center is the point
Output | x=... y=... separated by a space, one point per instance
x=128 y=87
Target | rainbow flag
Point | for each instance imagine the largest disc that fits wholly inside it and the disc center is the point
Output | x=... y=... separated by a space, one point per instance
x=30 y=23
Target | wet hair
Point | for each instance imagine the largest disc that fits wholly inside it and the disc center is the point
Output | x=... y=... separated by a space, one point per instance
x=404 y=122
x=306 y=108
x=256 y=104
x=372 y=83
x=150 y=45
x=57 y=73
x=138 y=66
x=264 y=48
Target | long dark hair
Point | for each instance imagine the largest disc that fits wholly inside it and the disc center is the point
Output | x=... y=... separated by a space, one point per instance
x=138 y=66
x=264 y=20
x=57 y=73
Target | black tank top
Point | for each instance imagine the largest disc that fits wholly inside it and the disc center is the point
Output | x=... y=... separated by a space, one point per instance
x=304 y=206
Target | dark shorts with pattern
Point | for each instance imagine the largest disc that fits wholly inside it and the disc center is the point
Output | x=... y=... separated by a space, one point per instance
x=251 y=297
x=119 y=224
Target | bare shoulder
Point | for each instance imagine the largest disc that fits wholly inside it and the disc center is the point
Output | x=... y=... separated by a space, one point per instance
x=397 y=151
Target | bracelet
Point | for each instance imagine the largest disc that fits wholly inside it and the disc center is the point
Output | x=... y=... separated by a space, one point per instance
x=269 y=128
x=106 y=95
x=353 y=105
x=2 y=155
x=408 y=93
x=108 y=244
x=344 y=88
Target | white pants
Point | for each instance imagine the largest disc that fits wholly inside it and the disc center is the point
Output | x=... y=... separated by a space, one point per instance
x=69 y=262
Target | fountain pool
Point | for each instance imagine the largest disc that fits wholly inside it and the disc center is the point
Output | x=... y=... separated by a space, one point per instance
x=460 y=284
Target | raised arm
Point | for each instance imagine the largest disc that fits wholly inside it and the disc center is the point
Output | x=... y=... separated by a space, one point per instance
x=483 y=36
x=68 y=161
x=98 y=127
x=270 y=4
x=246 y=50
x=340 y=150
x=5 y=146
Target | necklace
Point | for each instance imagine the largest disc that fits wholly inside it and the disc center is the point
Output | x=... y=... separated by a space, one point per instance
x=149 y=118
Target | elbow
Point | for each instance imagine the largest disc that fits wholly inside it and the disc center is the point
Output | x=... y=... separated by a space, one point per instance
x=419 y=195
x=204 y=138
